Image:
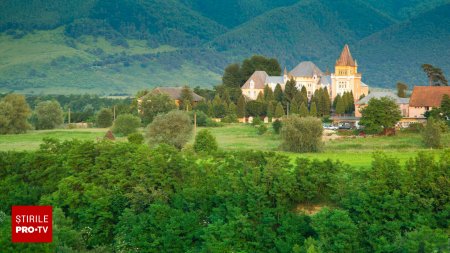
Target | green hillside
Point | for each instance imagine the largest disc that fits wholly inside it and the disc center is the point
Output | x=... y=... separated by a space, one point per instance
x=121 y=46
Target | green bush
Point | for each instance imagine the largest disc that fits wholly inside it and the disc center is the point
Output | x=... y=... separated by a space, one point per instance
x=49 y=115
x=212 y=123
x=276 y=125
x=104 y=118
x=301 y=134
x=136 y=138
x=201 y=117
x=415 y=128
x=173 y=128
x=230 y=118
x=126 y=124
x=205 y=142
x=262 y=129
x=256 y=121
x=432 y=133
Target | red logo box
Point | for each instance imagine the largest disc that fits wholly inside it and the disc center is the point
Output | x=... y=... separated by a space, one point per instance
x=31 y=223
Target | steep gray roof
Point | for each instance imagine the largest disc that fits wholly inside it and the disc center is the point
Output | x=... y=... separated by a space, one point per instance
x=175 y=93
x=364 y=85
x=381 y=94
x=275 y=79
x=307 y=69
x=259 y=77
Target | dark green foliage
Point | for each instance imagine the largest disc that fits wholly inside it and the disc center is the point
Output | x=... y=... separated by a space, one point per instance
x=401 y=89
x=340 y=105
x=276 y=125
x=255 y=108
x=435 y=75
x=303 y=111
x=173 y=128
x=201 y=117
x=290 y=90
x=257 y=121
x=259 y=62
x=186 y=99
x=119 y=196
x=240 y=111
x=104 y=118
x=313 y=110
x=126 y=124
x=219 y=107
x=301 y=134
x=205 y=142
x=154 y=104
x=380 y=114
x=49 y=115
x=14 y=112
x=432 y=133
x=278 y=93
x=136 y=138
x=279 y=111
x=262 y=129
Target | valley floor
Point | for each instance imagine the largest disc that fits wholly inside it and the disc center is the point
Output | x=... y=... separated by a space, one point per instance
x=353 y=151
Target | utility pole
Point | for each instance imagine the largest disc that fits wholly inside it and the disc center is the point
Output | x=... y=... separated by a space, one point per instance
x=287 y=109
x=195 y=123
x=69 y=115
x=114 y=114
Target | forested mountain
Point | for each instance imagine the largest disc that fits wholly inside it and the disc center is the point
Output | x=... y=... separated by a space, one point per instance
x=121 y=46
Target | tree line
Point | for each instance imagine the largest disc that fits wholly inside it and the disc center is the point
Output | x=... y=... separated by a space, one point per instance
x=125 y=197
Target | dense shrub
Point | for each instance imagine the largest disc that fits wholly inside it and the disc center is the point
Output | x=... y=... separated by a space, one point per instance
x=126 y=124
x=205 y=142
x=230 y=118
x=262 y=129
x=136 y=138
x=276 y=125
x=301 y=134
x=415 y=128
x=49 y=115
x=104 y=118
x=432 y=133
x=257 y=121
x=173 y=128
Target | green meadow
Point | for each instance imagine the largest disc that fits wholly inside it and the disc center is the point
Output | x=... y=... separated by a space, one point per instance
x=354 y=151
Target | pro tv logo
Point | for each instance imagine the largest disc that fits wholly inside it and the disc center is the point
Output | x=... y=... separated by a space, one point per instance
x=31 y=224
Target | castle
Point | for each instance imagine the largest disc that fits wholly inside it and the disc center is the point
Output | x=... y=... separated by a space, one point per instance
x=306 y=74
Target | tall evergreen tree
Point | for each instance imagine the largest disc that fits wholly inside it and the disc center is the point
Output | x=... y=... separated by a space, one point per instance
x=325 y=103
x=304 y=95
x=270 y=109
x=240 y=110
x=279 y=111
x=313 y=110
x=303 y=112
x=294 y=107
x=278 y=93
x=435 y=75
x=268 y=94
x=340 y=106
x=186 y=98
x=290 y=90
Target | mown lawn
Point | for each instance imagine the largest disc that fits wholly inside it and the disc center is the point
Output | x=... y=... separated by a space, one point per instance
x=354 y=151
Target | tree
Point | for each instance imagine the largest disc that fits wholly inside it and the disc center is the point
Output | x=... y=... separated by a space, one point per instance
x=279 y=111
x=278 y=93
x=435 y=75
x=290 y=90
x=174 y=128
x=155 y=104
x=380 y=114
x=445 y=106
x=401 y=89
x=432 y=134
x=14 y=113
x=104 y=118
x=126 y=124
x=313 y=110
x=219 y=108
x=136 y=138
x=261 y=63
x=325 y=103
x=276 y=125
x=49 y=115
x=301 y=134
x=270 y=110
x=294 y=106
x=232 y=77
x=186 y=99
x=340 y=107
x=205 y=142
x=240 y=111
x=268 y=94
x=255 y=108
x=336 y=231
x=303 y=111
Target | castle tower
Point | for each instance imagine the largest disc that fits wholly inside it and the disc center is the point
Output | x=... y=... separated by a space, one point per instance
x=346 y=77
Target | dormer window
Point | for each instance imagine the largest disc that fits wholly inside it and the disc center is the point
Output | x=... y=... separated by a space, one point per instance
x=252 y=84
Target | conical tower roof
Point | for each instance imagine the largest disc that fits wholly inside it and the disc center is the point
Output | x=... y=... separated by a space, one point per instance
x=285 y=71
x=346 y=58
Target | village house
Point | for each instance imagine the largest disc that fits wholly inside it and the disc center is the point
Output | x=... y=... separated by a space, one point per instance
x=403 y=103
x=345 y=78
x=173 y=92
x=425 y=98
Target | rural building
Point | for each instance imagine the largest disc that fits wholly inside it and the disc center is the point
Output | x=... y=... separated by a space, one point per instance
x=403 y=103
x=306 y=74
x=425 y=98
x=173 y=92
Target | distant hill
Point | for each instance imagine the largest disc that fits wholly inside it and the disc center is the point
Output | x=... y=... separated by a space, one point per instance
x=121 y=46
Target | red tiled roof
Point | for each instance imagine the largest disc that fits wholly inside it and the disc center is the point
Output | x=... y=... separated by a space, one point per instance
x=428 y=96
x=346 y=58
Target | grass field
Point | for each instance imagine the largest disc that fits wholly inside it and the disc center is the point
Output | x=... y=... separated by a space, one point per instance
x=357 y=152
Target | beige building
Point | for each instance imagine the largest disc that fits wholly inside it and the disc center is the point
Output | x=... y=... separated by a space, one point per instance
x=403 y=103
x=307 y=74
x=425 y=98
